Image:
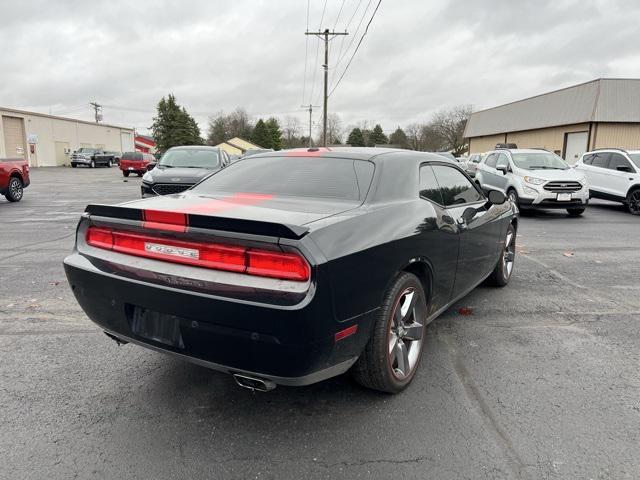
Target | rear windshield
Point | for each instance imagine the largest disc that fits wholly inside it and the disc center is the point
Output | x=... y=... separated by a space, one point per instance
x=190 y=158
x=132 y=156
x=314 y=177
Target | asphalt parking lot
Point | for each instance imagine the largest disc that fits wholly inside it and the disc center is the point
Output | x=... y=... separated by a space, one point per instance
x=539 y=380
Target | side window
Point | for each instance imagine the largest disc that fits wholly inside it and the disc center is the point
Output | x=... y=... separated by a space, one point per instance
x=455 y=187
x=491 y=160
x=429 y=187
x=502 y=160
x=477 y=159
x=600 y=160
x=618 y=160
x=588 y=159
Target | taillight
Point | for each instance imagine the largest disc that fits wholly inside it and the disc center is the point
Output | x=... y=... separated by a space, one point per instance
x=263 y=263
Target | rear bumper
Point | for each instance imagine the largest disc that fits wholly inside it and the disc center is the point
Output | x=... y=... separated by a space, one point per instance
x=287 y=345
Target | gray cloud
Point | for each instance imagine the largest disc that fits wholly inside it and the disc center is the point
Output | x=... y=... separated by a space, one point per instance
x=419 y=55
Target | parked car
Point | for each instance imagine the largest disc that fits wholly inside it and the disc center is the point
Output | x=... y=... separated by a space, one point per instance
x=182 y=167
x=613 y=174
x=91 y=157
x=14 y=178
x=135 y=162
x=117 y=156
x=471 y=165
x=534 y=179
x=296 y=266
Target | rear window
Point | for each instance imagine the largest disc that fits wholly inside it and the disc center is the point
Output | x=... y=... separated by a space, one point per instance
x=131 y=156
x=314 y=177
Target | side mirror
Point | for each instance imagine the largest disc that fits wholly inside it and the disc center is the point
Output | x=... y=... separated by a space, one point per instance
x=624 y=168
x=502 y=168
x=496 y=197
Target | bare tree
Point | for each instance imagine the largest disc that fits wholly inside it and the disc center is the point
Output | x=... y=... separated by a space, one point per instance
x=291 y=131
x=449 y=125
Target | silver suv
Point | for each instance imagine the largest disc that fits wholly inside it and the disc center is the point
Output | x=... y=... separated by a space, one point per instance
x=534 y=179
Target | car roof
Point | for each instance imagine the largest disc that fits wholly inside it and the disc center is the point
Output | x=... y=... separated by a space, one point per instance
x=371 y=154
x=520 y=150
x=195 y=147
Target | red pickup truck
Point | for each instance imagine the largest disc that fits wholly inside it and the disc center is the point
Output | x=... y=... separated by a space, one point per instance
x=135 y=162
x=14 y=177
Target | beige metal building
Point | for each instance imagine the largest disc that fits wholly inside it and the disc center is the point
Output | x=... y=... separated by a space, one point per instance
x=237 y=146
x=598 y=114
x=47 y=140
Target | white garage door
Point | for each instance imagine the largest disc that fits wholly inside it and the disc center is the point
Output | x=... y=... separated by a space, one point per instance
x=126 y=141
x=14 y=139
x=576 y=146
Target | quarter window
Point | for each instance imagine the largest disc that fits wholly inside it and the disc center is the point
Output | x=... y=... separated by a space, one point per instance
x=429 y=187
x=456 y=189
x=588 y=159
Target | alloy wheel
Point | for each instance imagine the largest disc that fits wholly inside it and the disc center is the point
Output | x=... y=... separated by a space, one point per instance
x=634 y=202
x=16 y=188
x=509 y=254
x=513 y=197
x=405 y=334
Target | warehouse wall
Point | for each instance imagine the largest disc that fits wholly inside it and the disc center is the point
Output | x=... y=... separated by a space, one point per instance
x=618 y=135
x=484 y=144
x=548 y=138
x=60 y=132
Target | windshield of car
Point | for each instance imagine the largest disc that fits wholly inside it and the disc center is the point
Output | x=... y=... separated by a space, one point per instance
x=635 y=157
x=86 y=150
x=190 y=158
x=539 y=161
x=336 y=178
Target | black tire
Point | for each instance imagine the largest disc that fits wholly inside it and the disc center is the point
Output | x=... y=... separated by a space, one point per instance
x=109 y=163
x=140 y=174
x=92 y=164
x=502 y=272
x=375 y=368
x=73 y=165
x=512 y=195
x=633 y=201
x=125 y=173
x=575 y=212
x=15 y=190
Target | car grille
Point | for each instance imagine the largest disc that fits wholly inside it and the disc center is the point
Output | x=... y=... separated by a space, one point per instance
x=169 y=188
x=563 y=187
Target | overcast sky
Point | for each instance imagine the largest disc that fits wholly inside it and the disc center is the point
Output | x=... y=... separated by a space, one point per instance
x=418 y=57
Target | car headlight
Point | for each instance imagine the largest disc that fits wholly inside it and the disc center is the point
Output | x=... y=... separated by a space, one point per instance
x=534 y=180
x=146 y=178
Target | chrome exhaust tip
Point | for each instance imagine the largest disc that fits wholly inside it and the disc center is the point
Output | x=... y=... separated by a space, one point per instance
x=253 y=383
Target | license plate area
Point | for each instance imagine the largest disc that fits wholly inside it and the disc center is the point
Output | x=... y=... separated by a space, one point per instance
x=156 y=326
x=564 y=197
x=130 y=168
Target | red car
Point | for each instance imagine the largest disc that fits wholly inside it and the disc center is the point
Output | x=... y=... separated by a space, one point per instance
x=135 y=162
x=14 y=177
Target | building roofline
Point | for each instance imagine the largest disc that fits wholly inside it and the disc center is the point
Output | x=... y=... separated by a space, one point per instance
x=68 y=119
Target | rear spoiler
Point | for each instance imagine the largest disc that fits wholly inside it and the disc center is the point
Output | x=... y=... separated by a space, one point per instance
x=178 y=221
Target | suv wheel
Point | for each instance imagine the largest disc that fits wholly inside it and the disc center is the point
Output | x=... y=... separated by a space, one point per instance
x=391 y=357
x=512 y=195
x=14 y=190
x=502 y=273
x=633 y=201
x=125 y=173
x=575 y=212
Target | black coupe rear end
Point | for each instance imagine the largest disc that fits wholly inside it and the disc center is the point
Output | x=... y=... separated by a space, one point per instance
x=291 y=267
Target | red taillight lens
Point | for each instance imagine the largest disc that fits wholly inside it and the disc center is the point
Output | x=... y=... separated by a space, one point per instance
x=264 y=263
x=278 y=265
x=100 y=237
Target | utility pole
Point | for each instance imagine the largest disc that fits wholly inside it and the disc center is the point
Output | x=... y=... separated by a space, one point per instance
x=310 y=109
x=326 y=36
x=97 y=108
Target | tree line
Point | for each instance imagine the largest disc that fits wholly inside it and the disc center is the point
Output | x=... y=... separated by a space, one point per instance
x=173 y=126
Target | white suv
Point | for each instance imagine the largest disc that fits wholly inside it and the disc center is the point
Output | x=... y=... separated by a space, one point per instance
x=533 y=178
x=613 y=174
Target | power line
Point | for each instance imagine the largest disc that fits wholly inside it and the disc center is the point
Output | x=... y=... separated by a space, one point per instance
x=355 y=35
x=306 y=55
x=338 y=17
x=315 y=67
x=340 y=56
x=357 y=47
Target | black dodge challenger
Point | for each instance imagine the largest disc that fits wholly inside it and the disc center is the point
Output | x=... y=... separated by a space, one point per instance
x=292 y=267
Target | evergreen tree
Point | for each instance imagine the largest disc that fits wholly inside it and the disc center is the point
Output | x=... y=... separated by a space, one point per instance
x=217 y=131
x=356 y=139
x=261 y=135
x=399 y=138
x=275 y=134
x=173 y=126
x=377 y=136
